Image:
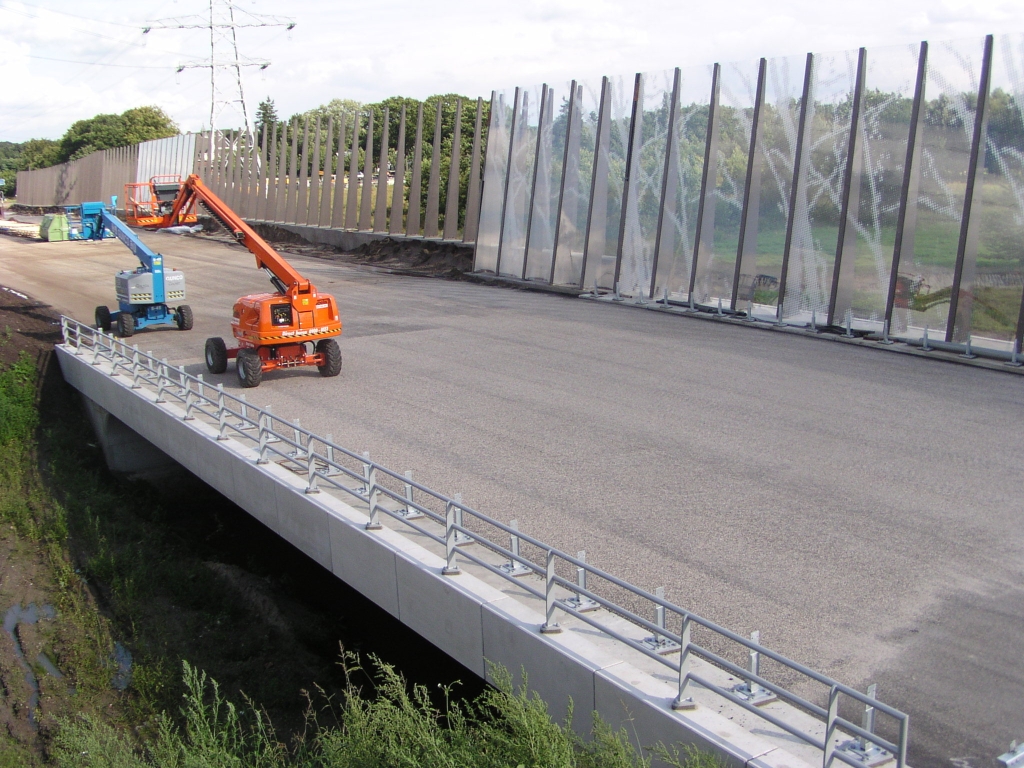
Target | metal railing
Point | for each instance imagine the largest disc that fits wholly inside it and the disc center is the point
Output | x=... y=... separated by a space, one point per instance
x=614 y=607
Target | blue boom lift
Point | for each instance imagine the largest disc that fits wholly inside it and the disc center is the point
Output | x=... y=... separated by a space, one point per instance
x=142 y=293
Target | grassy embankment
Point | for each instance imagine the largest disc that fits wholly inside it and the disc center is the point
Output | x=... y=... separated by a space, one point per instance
x=119 y=561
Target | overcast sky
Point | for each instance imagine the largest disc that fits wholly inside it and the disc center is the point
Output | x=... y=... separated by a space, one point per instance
x=370 y=50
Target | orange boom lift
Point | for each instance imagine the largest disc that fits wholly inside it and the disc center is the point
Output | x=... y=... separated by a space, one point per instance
x=292 y=327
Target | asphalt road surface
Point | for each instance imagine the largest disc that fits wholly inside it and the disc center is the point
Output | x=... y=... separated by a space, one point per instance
x=863 y=510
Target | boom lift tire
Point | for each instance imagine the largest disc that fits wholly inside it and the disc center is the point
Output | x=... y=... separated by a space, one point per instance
x=125 y=324
x=216 y=355
x=249 y=367
x=332 y=357
x=103 y=318
x=183 y=315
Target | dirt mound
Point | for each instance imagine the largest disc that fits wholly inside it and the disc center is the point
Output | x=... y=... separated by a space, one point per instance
x=423 y=257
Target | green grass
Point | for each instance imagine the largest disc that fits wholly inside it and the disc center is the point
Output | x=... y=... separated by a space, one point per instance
x=392 y=726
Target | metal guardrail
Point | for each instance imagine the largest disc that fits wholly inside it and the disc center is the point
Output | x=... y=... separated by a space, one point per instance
x=451 y=523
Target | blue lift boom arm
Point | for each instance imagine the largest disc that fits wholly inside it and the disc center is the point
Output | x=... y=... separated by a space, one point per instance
x=96 y=218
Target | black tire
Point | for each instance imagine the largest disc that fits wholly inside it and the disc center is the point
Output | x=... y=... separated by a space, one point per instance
x=184 y=317
x=103 y=321
x=249 y=367
x=216 y=355
x=125 y=324
x=332 y=357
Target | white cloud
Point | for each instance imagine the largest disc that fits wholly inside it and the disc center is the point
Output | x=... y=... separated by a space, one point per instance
x=412 y=48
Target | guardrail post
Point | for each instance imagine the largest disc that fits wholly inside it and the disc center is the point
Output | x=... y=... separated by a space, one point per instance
x=188 y=396
x=550 y=626
x=451 y=568
x=264 y=438
x=925 y=346
x=513 y=567
x=331 y=471
x=370 y=478
x=682 y=701
x=311 y=473
x=114 y=360
x=659 y=643
x=408 y=511
x=300 y=451
x=161 y=375
x=830 y=727
x=243 y=421
x=461 y=538
x=885 y=334
x=580 y=603
x=135 y=368
x=862 y=749
x=752 y=692
x=222 y=416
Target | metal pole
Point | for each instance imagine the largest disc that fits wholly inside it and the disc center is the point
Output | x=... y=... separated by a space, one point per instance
x=508 y=176
x=666 y=184
x=704 y=235
x=434 y=182
x=799 y=187
x=961 y=302
x=631 y=151
x=351 y=195
x=337 y=205
x=570 y=134
x=451 y=209
x=469 y=229
x=746 y=250
x=536 y=168
x=398 y=190
x=412 y=222
x=906 y=221
x=846 y=243
x=599 y=173
x=380 y=215
x=364 y=202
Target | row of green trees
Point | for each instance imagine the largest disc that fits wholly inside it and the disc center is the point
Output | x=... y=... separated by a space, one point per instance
x=82 y=138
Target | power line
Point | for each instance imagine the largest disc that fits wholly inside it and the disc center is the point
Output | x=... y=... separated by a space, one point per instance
x=72 y=15
x=99 y=64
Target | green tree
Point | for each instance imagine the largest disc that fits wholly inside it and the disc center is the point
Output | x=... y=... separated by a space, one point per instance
x=108 y=131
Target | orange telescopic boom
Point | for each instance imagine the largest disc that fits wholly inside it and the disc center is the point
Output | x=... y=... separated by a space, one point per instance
x=293 y=327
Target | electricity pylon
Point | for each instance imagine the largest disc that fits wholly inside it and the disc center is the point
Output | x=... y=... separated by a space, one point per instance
x=225 y=62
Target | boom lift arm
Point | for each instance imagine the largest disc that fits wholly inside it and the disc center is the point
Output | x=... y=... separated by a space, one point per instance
x=193 y=190
x=290 y=328
x=142 y=294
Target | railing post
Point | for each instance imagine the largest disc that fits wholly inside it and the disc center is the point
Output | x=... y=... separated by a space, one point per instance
x=264 y=438
x=135 y=368
x=161 y=375
x=311 y=473
x=682 y=701
x=408 y=511
x=550 y=626
x=658 y=642
x=451 y=568
x=188 y=396
x=750 y=691
x=370 y=478
x=580 y=603
x=221 y=414
x=300 y=451
x=513 y=567
x=460 y=537
x=830 y=727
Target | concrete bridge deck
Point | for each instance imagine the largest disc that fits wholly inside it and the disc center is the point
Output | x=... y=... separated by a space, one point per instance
x=862 y=510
